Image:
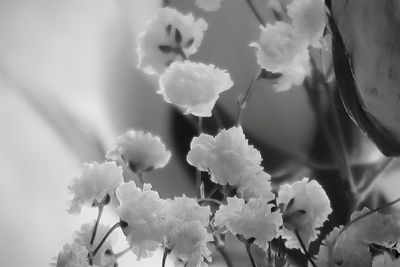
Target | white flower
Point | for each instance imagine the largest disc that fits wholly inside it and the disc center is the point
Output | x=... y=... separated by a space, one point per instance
x=281 y=49
x=104 y=257
x=145 y=213
x=188 y=244
x=308 y=17
x=168 y=37
x=73 y=256
x=253 y=219
x=305 y=209
x=194 y=87
x=187 y=209
x=257 y=186
x=97 y=182
x=385 y=260
x=141 y=151
x=353 y=244
x=228 y=156
x=209 y=5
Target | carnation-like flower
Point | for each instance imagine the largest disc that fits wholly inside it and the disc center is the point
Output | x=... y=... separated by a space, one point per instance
x=209 y=5
x=140 y=151
x=168 y=37
x=194 y=87
x=308 y=17
x=385 y=260
x=305 y=209
x=280 y=49
x=187 y=209
x=73 y=255
x=188 y=244
x=228 y=156
x=253 y=219
x=104 y=257
x=352 y=247
x=257 y=186
x=98 y=182
x=145 y=214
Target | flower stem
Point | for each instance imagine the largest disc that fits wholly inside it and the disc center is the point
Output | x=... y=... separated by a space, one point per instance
x=199 y=188
x=256 y=13
x=96 y=225
x=242 y=102
x=225 y=256
x=303 y=246
x=165 y=255
x=248 y=250
x=115 y=226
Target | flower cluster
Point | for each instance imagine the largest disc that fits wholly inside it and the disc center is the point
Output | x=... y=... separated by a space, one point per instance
x=283 y=46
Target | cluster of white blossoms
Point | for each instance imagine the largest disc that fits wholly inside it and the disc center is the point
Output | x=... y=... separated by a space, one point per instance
x=283 y=46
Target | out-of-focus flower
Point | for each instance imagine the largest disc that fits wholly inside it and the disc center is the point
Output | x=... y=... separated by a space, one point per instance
x=209 y=5
x=194 y=87
x=353 y=244
x=145 y=214
x=253 y=219
x=73 y=255
x=308 y=17
x=188 y=244
x=140 y=151
x=305 y=209
x=104 y=257
x=280 y=49
x=98 y=182
x=385 y=260
x=168 y=37
x=228 y=156
x=187 y=209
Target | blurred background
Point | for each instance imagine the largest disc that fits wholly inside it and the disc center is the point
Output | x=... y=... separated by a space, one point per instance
x=69 y=86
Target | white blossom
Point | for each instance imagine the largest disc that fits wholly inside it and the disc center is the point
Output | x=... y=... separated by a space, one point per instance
x=168 y=37
x=73 y=255
x=209 y=5
x=257 y=185
x=308 y=17
x=385 y=260
x=104 y=257
x=97 y=182
x=253 y=219
x=280 y=49
x=194 y=87
x=145 y=214
x=187 y=209
x=305 y=209
x=352 y=246
x=140 y=151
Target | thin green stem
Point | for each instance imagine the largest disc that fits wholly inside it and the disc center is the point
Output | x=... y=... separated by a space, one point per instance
x=96 y=225
x=115 y=226
x=248 y=250
x=303 y=246
x=242 y=103
x=255 y=12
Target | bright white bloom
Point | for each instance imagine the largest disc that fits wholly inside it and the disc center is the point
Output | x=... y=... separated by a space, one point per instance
x=194 y=87
x=145 y=213
x=385 y=260
x=228 y=156
x=253 y=219
x=352 y=245
x=187 y=209
x=104 y=257
x=168 y=37
x=305 y=208
x=140 y=151
x=73 y=255
x=188 y=244
x=308 y=17
x=257 y=186
x=280 y=49
x=97 y=182
x=209 y=5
